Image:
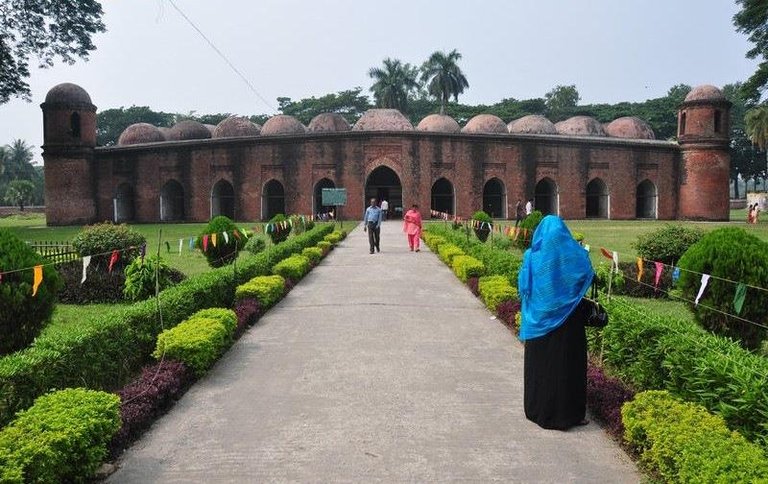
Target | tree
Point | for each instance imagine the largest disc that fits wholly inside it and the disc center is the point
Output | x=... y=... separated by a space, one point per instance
x=443 y=77
x=756 y=121
x=351 y=104
x=18 y=161
x=752 y=20
x=741 y=149
x=561 y=101
x=393 y=83
x=19 y=192
x=47 y=30
x=110 y=123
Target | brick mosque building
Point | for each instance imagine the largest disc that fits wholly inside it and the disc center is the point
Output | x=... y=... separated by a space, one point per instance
x=577 y=168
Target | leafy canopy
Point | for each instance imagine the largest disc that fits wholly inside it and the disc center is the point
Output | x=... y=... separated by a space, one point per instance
x=393 y=83
x=443 y=77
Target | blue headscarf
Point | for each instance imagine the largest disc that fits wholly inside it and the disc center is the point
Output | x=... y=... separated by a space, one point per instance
x=555 y=274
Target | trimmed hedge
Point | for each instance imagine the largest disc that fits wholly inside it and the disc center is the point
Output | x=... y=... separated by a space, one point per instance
x=431 y=240
x=682 y=442
x=447 y=252
x=325 y=246
x=314 y=254
x=267 y=290
x=61 y=438
x=334 y=237
x=495 y=290
x=294 y=267
x=103 y=351
x=466 y=266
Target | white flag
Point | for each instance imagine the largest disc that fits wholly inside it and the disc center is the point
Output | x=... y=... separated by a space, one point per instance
x=226 y=238
x=86 y=263
x=615 y=262
x=181 y=245
x=704 y=282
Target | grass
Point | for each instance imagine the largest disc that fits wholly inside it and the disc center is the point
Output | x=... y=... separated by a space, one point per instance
x=68 y=314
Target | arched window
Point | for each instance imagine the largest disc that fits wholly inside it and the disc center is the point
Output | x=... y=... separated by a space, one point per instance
x=495 y=198
x=124 y=203
x=546 y=197
x=172 y=201
x=319 y=207
x=74 y=125
x=682 y=124
x=647 y=200
x=442 y=196
x=718 y=122
x=384 y=184
x=598 y=200
x=223 y=199
x=272 y=199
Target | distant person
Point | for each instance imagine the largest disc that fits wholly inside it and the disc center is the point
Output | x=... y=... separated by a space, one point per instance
x=384 y=209
x=372 y=225
x=519 y=212
x=756 y=216
x=555 y=274
x=529 y=207
x=751 y=214
x=412 y=227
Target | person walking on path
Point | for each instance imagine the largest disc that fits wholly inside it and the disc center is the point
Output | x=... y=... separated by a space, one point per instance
x=372 y=225
x=384 y=209
x=529 y=207
x=519 y=212
x=412 y=227
x=555 y=274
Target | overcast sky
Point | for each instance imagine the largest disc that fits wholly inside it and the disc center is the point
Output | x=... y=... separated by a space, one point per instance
x=612 y=50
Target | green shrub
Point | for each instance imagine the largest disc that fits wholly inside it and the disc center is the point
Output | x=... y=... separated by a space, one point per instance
x=256 y=245
x=63 y=437
x=668 y=243
x=266 y=289
x=682 y=442
x=447 y=252
x=432 y=241
x=22 y=315
x=227 y=317
x=314 y=254
x=225 y=251
x=466 y=266
x=734 y=254
x=294 y=267
x=334 y=238
x=483 y=229
x=297 y=224
x=603 y=275
x=197 y=342
x=278 y=232
x=494 y=290
x=141 y=278
x=528 y=227
x=100 y=240
x=325 y=246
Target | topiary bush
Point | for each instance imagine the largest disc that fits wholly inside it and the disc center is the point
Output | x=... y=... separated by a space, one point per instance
x=334 y=237
x=466 y=266
x=605 y=397
x=483 y=229
x=314 y=254
x=197 y=342
x=248 y=311
x=267 y=290
x=667 y=244
x=496 y=289
x=527 y=228
x=507 y=312
x=226 y=249
x=447 y=252
x=62 y=437
x=22 y=315
x=294 y=267
x=142 y=277
x=99 y=240
x=325 y=246
x=279 y=232
x=432 y=240
x=733 y=254
x=256 y=244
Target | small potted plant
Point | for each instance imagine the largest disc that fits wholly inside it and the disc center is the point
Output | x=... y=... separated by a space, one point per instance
x=483 y=224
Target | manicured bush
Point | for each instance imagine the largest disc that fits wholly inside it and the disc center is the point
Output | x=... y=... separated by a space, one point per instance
x=256 y=244
x=507 y=311
x=100 y=240
x=527 y=228
x=314 y=254
x=325 y=246
x=447 y=252
x=682 y=442
x=197 y=342
x=729 y=253
x=267 y=290
x=334 y=238
x=248 y=311
x=473 y=284
x=605 y=397
x=466 y=266
x=484 y=225
x=227 y=317
x=22 y=315
x=278 y=231
x=141 y=278
x=226 y=249
x=432 y=240
x=62 y=438
x=494 y=290
x=294 y=267
x=668 y=243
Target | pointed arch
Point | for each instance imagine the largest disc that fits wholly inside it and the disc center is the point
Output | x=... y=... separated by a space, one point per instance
x=223 y=199
x=319 y=208
x=495 y=198
x=546 y=198
x=383 y=183
x=598 y=199
x=172 y=201
x=443 y=196
x=647 y=200
x=272 y=199
x=124 y=203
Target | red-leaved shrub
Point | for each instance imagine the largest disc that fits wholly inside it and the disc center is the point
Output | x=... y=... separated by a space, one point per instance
x=473 y=285
x=506 y=312
x=605 y=396
x=248 y=311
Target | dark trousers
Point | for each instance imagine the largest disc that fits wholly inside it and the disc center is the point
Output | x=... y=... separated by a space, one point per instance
x=373 y=235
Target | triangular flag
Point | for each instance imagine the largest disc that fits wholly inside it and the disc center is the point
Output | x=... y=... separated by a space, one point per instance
x=606 y=253
x=86 y=263
x=615 y=262
x=226 y=237
x=704 y=282
x=586 y=247
x=113 y=259
x=236 y=233
x=659 y=270
x=181 y=245
x=639 y=269
x=675 y=275
x=38 y=278
x=213 y=239
x=205 y=243
x=738 y=298
x=191 y=243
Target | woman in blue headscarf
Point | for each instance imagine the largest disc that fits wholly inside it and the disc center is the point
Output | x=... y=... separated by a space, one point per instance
x=553 y=279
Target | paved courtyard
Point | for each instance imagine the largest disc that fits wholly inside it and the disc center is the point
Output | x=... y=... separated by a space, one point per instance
x=376 y=367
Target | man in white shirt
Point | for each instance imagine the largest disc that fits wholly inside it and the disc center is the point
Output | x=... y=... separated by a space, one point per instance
x=529 y=207
x=384 y=208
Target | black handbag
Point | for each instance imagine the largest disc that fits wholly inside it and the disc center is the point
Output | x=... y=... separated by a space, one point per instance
x=598 y=316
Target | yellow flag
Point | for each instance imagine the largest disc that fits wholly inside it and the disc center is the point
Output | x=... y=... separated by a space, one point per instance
x=38 y=279
x=639 y=269
x=213 y=239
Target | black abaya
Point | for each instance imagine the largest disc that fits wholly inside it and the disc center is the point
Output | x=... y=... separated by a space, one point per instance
x=556 y=373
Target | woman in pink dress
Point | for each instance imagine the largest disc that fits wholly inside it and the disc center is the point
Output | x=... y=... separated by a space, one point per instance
x=412 y=227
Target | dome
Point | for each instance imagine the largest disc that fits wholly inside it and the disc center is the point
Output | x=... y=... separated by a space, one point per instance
x=236 y=126
x=485 y=124
x=282 y=124
x=140 y=133
x=211 y=128
x=166 y=132
x=382 y=120
x=439 y=123
x=188 y=130
x=532 y=124
x=328 y=123
x=705 y=93
x=629 y=127
x=580 y=126
x=67 y=93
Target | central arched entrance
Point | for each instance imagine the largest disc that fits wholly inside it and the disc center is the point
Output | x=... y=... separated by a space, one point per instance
x=384 y=184
x=647 y=200
x=172 y=202
x=321 y=210
x=272 y=199
x=494 y=198
x=223 y=199
x=598 y=201
x=442 y=196
x=545 y=197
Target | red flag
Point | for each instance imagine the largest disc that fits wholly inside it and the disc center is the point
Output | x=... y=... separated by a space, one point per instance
x=113 y=259
x=606 y=253
x=205 y=243
x=659 y=270
x=236 y=233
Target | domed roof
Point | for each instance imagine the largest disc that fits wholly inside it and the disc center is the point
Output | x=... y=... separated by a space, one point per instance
x=485 y=124
x=705 y=93
x=629 y=127
x=236 y=126
x=383 y=120
x=166 y=132
x=328 y=123
x=211 y=128
x=188 y=130
x=439 y=123
x=282 y=124
x=580 y=126
x=68 y=93
x=140 y=133
x=532 y=124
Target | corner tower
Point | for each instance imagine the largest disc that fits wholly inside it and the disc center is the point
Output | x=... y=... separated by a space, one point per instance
x=703 y=131
x=69 y=137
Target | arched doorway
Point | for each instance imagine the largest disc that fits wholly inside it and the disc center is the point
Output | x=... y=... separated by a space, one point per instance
x=384 y=184
x=272 y=199
x=598 y=201
x=223 y=199
x=172 y=201
x=442 y=196
x=319 y=208
x=495 y=198
x=545 y=198
x=124 y=203
x=647 y=200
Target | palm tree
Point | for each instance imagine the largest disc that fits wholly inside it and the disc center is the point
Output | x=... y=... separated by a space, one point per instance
x=444 y=77
x=394 y=82
x=756 y=121
x=18 y=161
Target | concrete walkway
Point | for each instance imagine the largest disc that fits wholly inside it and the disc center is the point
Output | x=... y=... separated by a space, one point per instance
x=376 y=367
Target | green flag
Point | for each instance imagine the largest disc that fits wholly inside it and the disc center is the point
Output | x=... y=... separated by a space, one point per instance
x=738 y=299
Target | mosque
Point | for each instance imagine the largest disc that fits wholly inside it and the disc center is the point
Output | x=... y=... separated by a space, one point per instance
x=577 y=168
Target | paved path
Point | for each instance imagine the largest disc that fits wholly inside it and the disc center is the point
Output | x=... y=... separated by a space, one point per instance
x=374 y=368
